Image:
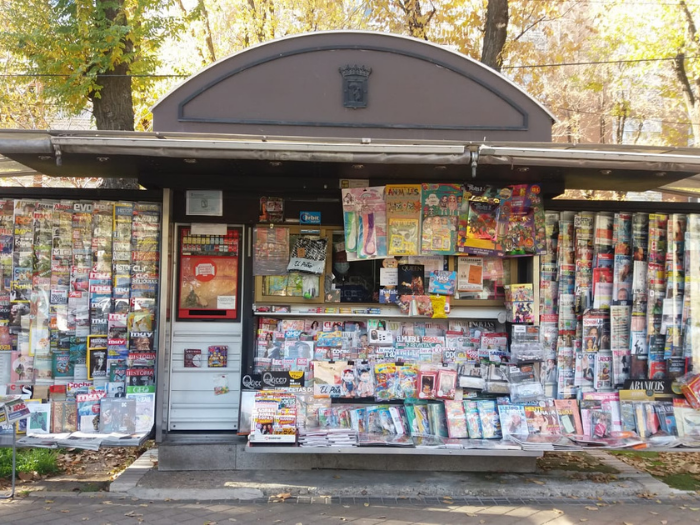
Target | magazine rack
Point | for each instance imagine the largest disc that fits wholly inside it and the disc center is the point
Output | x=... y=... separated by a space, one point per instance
x=3 y=443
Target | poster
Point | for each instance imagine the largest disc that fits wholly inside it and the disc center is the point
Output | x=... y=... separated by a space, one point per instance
x=403 y=208
x=209 y=275
x=470 y=274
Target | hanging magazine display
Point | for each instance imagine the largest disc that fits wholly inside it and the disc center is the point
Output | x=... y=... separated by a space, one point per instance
x=270 y=251
x=209 y=275
x=364 y=212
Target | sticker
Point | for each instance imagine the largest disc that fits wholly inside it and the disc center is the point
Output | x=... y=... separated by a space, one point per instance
x=226 y=302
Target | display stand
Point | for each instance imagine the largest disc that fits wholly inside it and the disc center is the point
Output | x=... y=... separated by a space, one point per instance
x=3 y=443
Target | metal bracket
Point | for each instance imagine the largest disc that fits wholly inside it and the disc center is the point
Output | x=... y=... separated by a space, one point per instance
x=59 y=158
x=474 y=156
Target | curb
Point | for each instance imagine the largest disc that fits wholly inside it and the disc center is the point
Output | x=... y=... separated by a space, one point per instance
x=649 y=482
x=127 y=480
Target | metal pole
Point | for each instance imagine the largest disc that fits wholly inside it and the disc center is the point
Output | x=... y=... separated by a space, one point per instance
x=14 y=462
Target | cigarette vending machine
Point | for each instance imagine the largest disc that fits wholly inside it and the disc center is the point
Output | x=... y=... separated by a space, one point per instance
x=206 y=335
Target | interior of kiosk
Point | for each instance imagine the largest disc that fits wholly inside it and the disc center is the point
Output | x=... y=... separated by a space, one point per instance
x=296 y=312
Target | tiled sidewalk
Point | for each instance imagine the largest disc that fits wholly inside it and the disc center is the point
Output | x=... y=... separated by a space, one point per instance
x=103 y=509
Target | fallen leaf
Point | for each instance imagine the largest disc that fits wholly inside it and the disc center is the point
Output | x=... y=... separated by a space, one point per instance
x=143 y=505
x=132 y=514
x=536 y=481
x=627 y=523
x=695 y=508
x=664 y=522
x=65 y=511
x=284 y=496
x=471 y=514
x=85 y=519
x=232 y=519
x=654 y=513
x=336 y=477
x=583 y=519
x=482 y=521
x=49 y=501
x=592 y=508
x=25 y=476
x=209 y=523
x=366 y=504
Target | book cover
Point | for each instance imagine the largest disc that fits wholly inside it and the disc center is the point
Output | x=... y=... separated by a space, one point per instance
x=411 y=279
x=218 y=356
x=193 y=358
x=569 y=416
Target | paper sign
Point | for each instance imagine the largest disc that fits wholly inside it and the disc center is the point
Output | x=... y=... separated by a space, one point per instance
x=226 y=302
x=208 y=229
x=209 y=202
x=470 y=274
x=388 y=276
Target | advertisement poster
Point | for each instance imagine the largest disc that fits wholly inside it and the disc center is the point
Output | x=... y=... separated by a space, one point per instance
x=209 y=275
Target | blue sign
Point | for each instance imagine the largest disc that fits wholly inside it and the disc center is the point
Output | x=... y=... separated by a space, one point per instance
x=310 y=217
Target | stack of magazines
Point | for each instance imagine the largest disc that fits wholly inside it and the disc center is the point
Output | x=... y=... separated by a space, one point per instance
x=541 y=442
x=341 y=437
x=384 y=440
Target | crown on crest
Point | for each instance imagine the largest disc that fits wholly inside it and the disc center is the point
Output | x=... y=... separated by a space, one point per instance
x=350 y=71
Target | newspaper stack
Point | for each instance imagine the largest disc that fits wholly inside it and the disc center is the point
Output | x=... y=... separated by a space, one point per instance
x=340 y=437
x=385 y=440
x=540 y=442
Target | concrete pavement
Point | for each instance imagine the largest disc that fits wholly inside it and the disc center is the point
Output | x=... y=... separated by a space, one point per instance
x=109 y=509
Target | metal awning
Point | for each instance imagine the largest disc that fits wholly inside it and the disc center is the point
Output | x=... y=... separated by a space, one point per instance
x=172 y=159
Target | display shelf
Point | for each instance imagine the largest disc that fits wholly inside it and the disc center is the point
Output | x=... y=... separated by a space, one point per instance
x=461 y=313
x=391 y=451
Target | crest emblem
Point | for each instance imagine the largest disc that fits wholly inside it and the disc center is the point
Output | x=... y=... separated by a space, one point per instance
x=355 y=85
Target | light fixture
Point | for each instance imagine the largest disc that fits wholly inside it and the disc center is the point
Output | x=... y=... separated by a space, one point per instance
x=102 y=159
x=45 y=157
x=190 y=161
x=661 y=174
x=523 y=169
x=605 y=172
x=358 y=166
x=440 y=168
x=275 y=163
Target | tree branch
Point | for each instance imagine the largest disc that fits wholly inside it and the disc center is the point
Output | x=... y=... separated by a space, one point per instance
x=682 y=76
x=692 y=29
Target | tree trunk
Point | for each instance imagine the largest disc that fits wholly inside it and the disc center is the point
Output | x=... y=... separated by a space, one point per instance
x=689 y=95
x=495 y=33
x=113 y=105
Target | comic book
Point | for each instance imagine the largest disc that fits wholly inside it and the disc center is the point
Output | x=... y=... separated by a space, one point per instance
x=456 y=419
x=521 y=221
x=437 y=419
x=403 y=209
x=441 y=204
x=471 y=411
x=523 y=303
x=568 y=416
x=479 y=221
x=385 y=381
x=488 y=417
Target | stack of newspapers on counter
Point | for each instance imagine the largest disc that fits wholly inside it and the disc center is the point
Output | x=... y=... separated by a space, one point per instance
x=541 y=442
x=340 y=437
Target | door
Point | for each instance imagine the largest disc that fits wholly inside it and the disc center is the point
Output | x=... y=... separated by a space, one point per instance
x=206 y=332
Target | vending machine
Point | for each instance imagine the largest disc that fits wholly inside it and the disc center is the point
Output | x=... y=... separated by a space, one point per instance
x=206 y=334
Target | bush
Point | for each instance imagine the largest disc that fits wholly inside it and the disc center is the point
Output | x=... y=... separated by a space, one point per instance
x=40 y=460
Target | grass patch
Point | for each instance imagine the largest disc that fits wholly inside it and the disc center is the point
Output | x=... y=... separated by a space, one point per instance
x=40 y=460
x=681 y=481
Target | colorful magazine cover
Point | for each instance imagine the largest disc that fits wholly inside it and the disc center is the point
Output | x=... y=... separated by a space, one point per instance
x=403 y=208
x=441 y=204
x=569 y=416
x=521 y=221
x=364 y=211
x=479 y=221
x=513 y=420
x=456 y=419
x=488 y=418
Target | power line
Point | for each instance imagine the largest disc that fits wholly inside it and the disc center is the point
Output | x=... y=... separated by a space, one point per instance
x=599 y=113
x=600 y=62
x=41 y=75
